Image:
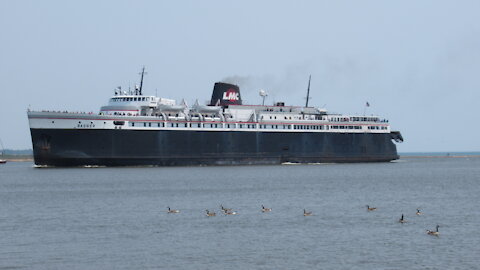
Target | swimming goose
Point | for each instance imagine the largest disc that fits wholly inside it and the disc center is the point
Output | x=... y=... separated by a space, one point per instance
x=305 y=213
x=229 y=212
x=435 y=233
x=266 y=209
x=225 y=209
x=401 y=220
x=210 y=214
x=371 y=208
x=172 y=211
x=418 y=212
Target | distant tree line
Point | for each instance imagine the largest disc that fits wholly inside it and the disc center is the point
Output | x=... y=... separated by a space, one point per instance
x=22 y=152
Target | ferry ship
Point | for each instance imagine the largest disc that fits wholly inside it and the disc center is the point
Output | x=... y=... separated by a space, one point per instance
x=136 y=130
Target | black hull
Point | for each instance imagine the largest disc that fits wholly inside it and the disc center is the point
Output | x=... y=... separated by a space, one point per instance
x=83 y=147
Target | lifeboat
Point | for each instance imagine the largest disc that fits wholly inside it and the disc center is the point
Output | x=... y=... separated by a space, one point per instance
x=205 y=108
x=172 y=107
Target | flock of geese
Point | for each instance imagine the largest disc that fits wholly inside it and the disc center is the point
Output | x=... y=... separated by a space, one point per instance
x=229 y=211
x=402 y=220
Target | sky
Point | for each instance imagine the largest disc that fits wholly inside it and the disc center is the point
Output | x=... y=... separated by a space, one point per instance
x=417 y=63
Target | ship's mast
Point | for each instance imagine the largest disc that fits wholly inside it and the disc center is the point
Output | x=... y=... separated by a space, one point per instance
x=141 y=80
x=308 y=90
x=1 y=148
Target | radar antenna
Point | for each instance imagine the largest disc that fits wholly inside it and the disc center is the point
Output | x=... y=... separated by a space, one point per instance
x=141 y=80
x=308 y=90
x=263 y=94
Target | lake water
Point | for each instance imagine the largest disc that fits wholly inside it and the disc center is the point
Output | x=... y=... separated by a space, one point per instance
x=116 y=218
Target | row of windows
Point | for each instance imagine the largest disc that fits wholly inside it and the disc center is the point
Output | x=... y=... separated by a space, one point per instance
x=377 y=127
x=308 y=127
x=132 y=99
x=346 y=127
x=250 y=126
x=371 y=119
x=356 y=119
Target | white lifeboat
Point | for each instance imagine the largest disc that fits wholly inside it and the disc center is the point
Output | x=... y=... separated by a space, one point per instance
x=172 y=107
x=205 y=108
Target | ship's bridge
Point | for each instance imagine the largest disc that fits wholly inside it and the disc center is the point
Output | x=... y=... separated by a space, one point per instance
x=129 y=105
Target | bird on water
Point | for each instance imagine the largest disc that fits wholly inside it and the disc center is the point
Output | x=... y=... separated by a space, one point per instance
x=229 y=212
x=264 y=209
x=210 y=214
x=418 y=212
x=305 y=213
x=371 y=208
x=401 y=220
x=172 y=211
x=225 y=209
x=434 y=233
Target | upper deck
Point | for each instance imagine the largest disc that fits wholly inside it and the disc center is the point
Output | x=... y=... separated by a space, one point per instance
x=135 y=111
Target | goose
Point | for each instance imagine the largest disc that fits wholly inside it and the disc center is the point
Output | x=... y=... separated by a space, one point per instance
x=172 y=211
x=418 y=212
x=230 y=212
x=225 y=209
x=435 y=233
x=371 y=208
x=210 y=214
x=266 y=209
x=401 y=220
x=305 y=213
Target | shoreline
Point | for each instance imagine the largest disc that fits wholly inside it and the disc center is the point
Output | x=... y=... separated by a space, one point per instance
x=459 y=156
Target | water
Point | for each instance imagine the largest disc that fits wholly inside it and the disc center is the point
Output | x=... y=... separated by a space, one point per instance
x=115 y=218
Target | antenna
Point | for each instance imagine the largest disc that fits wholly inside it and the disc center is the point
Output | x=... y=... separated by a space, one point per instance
x=2 y=149
x=263 y=94
x=308 y=90
x=141 y=80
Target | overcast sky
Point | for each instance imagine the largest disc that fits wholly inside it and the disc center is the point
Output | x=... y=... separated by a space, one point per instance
x=416 y=62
